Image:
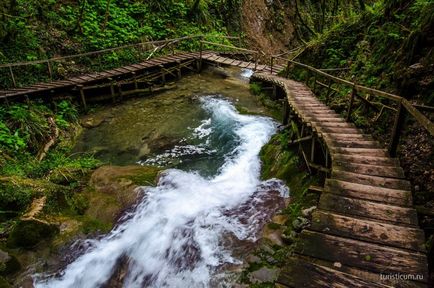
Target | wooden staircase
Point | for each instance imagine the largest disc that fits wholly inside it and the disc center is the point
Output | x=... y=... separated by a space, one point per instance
x=364 y=232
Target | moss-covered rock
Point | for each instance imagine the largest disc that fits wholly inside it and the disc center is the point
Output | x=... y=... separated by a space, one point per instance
x=9 y=264
x=4 y=283
x=112 y=189
x=28 y=233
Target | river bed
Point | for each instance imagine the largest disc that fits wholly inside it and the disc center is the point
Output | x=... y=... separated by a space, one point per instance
x=207 y=211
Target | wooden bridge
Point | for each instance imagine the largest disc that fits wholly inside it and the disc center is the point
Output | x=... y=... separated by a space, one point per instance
x=364 y=232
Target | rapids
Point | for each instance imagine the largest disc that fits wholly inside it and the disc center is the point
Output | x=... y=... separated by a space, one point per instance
x=178 y=235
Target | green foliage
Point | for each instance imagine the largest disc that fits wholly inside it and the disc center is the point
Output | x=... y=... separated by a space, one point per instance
x=14 y=197
x=255 y=88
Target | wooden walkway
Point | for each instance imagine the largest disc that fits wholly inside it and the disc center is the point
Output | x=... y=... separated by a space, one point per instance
x=99 y=77
x=124 y=72
x=364 y=226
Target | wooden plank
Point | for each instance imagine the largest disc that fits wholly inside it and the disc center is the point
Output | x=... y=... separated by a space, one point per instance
x=298 y=273
x=366 y=256
x=358 y=151
x=314 y=118
x=342 y=130
x=363 y=159
x=369 y=192
x=385 y=182
x=373 y=170
x=368 y=209
x=345 y=143
x=369 y=231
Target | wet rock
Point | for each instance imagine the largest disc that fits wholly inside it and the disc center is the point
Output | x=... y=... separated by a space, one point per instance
x=118 y=276
x=218 y=72
x=8 y=264
x=252 y=259
x=280 y=219
x=300 y=223
x=4 y=283
x=28 y=233
x=289 y=239
x=273 y=235
x=113 y=189
x=92 y=121
x=264 y=275
x=308 y=212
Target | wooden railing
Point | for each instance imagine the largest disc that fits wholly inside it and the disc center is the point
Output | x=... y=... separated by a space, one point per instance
x=144 y=49
x=404 y=107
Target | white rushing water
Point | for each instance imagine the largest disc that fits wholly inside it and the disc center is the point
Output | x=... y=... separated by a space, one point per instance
x=174 y=236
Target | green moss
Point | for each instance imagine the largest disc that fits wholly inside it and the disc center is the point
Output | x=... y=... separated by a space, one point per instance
x=91 y=225
x=147 y=176
x=27 y=234
x=4 y=283
x=10 y=267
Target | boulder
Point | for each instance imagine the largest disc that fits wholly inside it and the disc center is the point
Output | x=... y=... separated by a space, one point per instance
x=29 y=233
x=112 y=189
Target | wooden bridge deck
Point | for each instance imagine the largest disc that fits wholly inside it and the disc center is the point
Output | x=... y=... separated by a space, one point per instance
x=364 y=226
x=123 y=73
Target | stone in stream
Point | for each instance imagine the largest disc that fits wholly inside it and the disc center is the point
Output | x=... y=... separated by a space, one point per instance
x=29 y=233
x=112 y=189
x=264 y=275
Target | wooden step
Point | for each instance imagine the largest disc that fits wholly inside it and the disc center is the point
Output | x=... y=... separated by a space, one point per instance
x=369 y=231
x=312 y=118
x=342 y=137
x=359 y=151
x=336 y=131
x=344 y=143
x=385 y=182
x=299 y=273
x=334 y=125
x=368 y=192
x=368 y=160
x=373 y=170
x=368 y=209
x=363 y=255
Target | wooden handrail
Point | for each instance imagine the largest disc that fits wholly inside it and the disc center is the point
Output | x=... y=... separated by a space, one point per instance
x=232 y=47
x=421 y=119
x=174 y=40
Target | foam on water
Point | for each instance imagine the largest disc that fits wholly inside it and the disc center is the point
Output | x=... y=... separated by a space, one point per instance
x=173 y=238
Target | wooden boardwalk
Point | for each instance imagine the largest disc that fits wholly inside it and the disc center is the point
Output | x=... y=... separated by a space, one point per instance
x=364 y=226
x=99 y=77
x=126 y=72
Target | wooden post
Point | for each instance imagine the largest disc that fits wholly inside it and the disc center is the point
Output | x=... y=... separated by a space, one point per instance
x=50 y=71
x=274 y=92
x=314 y=84
x=256 y=60
x=112 y=89
x=350 y=107
x=329 y=89
x=397 y=129
x=271 y=64
x=136 y=85
x=285 y=111
x=163 y=74
x=200 y=53
x=121 y=94
x=287 y=69
x=83 y=97
x=179 y=70
x=312 y=149
x=12 y=76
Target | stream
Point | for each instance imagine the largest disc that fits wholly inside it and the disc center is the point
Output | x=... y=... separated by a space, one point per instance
x=195 y=227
